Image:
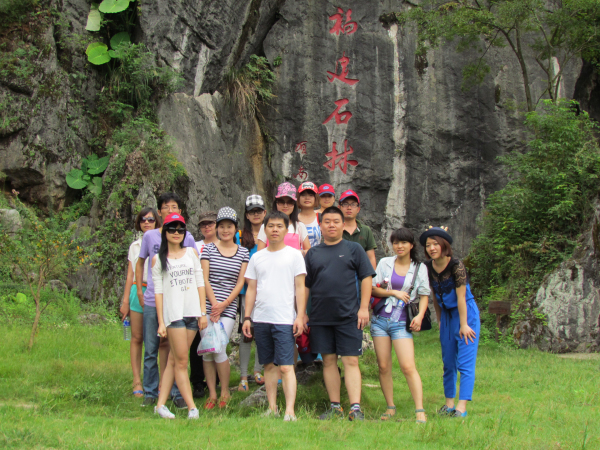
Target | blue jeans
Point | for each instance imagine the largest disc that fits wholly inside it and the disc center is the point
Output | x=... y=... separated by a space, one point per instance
x=384 y=327
x=151 y=343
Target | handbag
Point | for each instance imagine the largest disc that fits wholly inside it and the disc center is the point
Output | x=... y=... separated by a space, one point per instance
x=412 y=308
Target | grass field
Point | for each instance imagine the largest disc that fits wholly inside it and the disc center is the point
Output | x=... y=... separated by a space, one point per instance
x=73 y=391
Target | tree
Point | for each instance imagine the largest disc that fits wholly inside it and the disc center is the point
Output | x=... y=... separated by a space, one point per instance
x=38 y=251
x=556 y=32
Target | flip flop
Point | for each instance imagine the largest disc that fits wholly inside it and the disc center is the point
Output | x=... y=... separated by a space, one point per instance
x=138 y=392
x=210 y=403
x=388 y=416
x=259 y=379
x=223 y=402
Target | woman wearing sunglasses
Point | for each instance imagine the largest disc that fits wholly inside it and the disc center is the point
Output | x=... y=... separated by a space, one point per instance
x=180 y=306
x=286 y=202
x=148 y=219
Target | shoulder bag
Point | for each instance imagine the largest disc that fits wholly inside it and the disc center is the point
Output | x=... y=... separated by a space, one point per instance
x=412 y=308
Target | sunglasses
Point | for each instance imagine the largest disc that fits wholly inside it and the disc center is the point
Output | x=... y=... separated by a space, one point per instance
x=286 y=203
x=207 y=224
x=255 y=212
x=148 y=219
x=173 y=230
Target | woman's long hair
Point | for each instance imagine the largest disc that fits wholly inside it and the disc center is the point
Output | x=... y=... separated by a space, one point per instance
x=405 y=235
x=164 y=247
x=247 y=236
x=293 y=215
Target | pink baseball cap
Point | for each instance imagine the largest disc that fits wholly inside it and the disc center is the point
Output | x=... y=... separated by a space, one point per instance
x=326 y=189
x=286 y=190
x=174 y=217
x=347 y=194
x=308 y=186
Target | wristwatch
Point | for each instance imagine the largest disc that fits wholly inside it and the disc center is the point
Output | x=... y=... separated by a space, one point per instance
x=248 y=318
x=202 y=314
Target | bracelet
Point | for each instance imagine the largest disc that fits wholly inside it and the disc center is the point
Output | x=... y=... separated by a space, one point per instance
x=248 y=318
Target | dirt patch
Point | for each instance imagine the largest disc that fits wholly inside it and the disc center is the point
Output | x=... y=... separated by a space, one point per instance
x=579 y=355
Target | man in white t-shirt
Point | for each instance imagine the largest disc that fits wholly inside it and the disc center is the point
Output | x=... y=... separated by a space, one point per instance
x=275 y=277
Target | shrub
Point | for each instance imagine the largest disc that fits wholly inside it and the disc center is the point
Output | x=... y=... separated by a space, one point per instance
x=532 y=225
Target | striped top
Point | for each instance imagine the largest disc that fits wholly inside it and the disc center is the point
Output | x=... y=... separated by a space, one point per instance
x=223 y=275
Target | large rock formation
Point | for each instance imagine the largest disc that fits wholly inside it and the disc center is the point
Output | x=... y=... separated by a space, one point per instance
x=569 y=302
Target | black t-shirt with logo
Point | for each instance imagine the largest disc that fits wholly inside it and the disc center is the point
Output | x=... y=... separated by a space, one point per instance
x=333 y=274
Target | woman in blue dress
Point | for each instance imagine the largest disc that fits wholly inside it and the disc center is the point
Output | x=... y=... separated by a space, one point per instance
x=458 y=316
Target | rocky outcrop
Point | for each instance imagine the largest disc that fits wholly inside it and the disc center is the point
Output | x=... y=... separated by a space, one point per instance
x=569 y=303
x=45 y=130
x=224 y=156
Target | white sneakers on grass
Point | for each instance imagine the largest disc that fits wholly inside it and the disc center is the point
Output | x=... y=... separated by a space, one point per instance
x=163 y=412
x=289 y=418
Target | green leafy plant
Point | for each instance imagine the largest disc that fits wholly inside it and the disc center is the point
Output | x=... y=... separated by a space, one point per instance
x=38 y=251
x=532 y=225
x=250 y=86
x=98 y=52
x=84 y=177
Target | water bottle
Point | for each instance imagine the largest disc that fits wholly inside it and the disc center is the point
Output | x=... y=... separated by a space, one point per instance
x=127 y=329
x=397 y=311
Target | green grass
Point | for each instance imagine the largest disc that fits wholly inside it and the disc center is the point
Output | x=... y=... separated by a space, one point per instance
x=73 y=391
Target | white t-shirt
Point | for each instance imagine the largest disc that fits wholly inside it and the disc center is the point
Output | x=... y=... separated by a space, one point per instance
x=134 y=255
x=179 y=286
x=293 y=239
x=275 y=273
x=314 y=232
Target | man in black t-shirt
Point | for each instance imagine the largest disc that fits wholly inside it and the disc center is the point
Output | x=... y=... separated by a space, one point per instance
x=339 y=312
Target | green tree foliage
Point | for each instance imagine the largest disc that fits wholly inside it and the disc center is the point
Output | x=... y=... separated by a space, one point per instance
x=38 y=251
x=532 y=225
x=553 y=31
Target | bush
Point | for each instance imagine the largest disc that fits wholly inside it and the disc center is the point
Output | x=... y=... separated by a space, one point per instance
x=532 y=225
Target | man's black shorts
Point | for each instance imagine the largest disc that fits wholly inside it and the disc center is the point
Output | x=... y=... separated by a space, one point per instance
x=343 y=340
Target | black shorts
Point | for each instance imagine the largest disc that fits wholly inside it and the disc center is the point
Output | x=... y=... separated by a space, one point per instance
x=343 y=340
x=274 y=343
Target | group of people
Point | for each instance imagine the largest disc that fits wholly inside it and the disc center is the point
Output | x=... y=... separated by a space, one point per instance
x=304 y=272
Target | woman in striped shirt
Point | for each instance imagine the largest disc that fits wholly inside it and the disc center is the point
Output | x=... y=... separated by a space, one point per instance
x=224 y=265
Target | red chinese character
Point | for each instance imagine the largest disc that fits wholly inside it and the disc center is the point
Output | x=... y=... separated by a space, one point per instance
x=340 y=159
x=340 y=27
x=301 y=148
x=302 y=175
x=344 y=61
x=340 y=117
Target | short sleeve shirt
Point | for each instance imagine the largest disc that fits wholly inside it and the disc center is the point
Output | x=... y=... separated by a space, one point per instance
x=332 y=272
x=363 y=236
x=444 y=284
x=223 y=275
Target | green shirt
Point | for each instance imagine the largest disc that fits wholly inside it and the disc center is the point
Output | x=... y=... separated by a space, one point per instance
x=363 y=236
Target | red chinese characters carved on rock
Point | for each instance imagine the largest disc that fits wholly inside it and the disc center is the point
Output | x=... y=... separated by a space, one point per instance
x=340 y=117
x=302 y=175
x=340 y=159
x=343 y=26
x=301 y=148
x=343 y=61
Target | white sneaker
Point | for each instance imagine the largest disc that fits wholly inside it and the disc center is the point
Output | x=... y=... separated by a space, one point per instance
x=289 y=418
x=270 y=413
x=193 y=413
x=163 y=412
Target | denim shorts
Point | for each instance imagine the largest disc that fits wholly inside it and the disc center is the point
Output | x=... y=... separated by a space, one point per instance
x=189 y=323
x=382 y=327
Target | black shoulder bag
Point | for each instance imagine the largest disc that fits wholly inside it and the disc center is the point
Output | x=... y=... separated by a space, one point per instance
x=412 y=308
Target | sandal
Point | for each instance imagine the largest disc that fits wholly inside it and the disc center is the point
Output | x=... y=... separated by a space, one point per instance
x=243 y=386
x=138 y=392
x=420 y=411
x=210 y=403
x=259 y=379
x=388 y=416
x=223 y=402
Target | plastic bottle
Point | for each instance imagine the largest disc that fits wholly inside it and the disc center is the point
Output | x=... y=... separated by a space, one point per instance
x=397 y=311
x=127 y=329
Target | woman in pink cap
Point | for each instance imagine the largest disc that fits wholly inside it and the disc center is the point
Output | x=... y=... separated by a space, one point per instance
x=307 y=200
x=285 y=201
